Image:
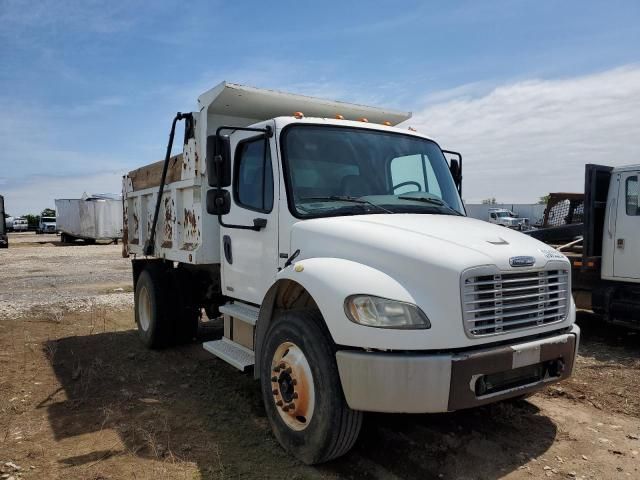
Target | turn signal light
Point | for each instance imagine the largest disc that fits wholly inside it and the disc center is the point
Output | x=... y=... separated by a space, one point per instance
x=298 y=115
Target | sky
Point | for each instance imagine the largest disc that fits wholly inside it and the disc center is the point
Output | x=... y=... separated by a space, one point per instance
x=528 y=91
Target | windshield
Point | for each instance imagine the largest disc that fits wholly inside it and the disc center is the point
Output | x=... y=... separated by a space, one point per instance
x=328 y=168
x=48 y=219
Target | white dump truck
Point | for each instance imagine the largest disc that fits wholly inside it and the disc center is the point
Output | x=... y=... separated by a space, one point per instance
x=337 y=249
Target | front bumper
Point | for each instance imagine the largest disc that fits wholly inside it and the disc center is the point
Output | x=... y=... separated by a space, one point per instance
x=441 y=382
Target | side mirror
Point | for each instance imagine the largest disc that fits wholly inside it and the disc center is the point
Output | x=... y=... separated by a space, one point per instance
x=218 y=201
x=219 y=160
x=454 y=168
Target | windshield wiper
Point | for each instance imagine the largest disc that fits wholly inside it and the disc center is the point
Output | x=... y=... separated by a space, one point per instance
x=434 y=201
x=345 y=198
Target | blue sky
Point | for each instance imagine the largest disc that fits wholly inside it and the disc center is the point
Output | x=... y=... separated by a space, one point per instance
x=88 y=89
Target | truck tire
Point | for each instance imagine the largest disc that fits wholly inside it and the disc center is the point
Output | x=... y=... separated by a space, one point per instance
x=301 y=389
x=152 y=309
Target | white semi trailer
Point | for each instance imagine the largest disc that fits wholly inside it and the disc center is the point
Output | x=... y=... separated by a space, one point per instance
x=91 y=218
x=337 y=249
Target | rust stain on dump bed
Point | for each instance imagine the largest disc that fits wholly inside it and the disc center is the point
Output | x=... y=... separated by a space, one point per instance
x=190 y=222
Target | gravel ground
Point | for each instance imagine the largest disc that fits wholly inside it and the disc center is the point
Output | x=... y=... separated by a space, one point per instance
x=81 y=398
x=39 y=272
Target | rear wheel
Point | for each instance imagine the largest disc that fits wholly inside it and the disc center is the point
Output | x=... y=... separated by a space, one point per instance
x=154 y=324
x=302 y=392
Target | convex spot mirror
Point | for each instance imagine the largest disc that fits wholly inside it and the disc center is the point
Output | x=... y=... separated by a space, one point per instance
x=218 y=202
x=219 y=160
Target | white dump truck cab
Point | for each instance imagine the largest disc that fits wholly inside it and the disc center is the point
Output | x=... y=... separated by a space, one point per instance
x=336 y=247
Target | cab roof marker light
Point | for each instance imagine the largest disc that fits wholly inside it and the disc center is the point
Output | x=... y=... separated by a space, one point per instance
x=387 y=123
x=298 y=115
x=412 y=129
x=339 y=117
x=362 y=119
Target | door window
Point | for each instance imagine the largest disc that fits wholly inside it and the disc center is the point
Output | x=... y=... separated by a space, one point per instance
x=632 y=194
x=254 y=176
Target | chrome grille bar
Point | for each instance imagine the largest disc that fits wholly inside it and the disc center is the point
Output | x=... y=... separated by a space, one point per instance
x=505 y=302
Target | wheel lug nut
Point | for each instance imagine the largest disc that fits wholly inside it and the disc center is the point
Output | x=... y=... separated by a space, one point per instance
x=274 y=391
x=285 y=408
x=279 y=403
x=294 y=382
x=295 y=395
x=292 y=406
x=276 y=369
x=282 y=366
x=288 y=370
x=274 y=379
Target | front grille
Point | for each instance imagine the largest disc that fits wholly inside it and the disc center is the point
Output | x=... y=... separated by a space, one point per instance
x=507 y=302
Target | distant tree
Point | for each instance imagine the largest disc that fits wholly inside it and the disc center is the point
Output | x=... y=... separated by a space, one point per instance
x=544 y=199
x=489 y=201
x=32 y=220
x=48 y=212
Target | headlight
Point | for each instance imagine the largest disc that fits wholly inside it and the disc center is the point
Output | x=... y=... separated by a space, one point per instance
x=384 y=313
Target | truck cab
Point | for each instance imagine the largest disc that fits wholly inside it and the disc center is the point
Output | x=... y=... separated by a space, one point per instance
x=336 y=247
x=506 y=218
x=47 y=225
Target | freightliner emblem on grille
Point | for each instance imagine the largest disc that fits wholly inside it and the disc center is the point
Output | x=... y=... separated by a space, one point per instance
x=522 y=261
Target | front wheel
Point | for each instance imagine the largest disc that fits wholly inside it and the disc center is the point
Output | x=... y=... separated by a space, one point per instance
x=301 y=389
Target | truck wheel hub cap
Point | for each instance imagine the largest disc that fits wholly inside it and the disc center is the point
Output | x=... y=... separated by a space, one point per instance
x=144 y=309
x=292 y=386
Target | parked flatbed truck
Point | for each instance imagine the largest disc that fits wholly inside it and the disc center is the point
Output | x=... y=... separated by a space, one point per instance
x=604 y=249
x=337 y=249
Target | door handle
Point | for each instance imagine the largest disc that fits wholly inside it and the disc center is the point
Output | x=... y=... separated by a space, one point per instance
x=226 y=245
x=612 y=211
x=259 y=223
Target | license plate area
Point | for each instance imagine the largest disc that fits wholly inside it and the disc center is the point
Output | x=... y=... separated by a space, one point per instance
x=518 y=377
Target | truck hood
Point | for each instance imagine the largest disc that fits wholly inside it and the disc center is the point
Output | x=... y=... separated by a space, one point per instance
x=447 y=241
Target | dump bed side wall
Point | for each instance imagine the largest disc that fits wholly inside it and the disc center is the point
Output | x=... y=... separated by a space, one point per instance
x=184 y=232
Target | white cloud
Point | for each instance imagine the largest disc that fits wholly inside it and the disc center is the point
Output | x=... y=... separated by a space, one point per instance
x=39 y=192
x=526 y=139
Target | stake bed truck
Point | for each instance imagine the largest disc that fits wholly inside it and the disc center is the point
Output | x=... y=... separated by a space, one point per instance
x=337 y=248
x=604 y=247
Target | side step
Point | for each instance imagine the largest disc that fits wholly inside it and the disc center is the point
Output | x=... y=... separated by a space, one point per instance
x=241 y=311
x=231 y=352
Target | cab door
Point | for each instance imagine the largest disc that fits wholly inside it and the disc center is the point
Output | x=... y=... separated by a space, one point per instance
x=250 y=257
x=626 y=256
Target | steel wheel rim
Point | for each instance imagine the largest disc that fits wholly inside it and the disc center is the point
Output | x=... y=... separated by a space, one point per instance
x=292 y=386
x=144 y=309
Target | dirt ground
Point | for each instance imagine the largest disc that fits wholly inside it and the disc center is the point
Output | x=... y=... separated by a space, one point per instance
x=80 y=398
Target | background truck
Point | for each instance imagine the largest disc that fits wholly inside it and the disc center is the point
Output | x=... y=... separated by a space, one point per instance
x=4 y=239
x=506 y=218
x=47 y=225
x=90 y=218
x=599 y=231
x=336 y=248
x=20 y=225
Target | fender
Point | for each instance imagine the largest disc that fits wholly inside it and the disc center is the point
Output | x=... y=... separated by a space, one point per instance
x=329 y=281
